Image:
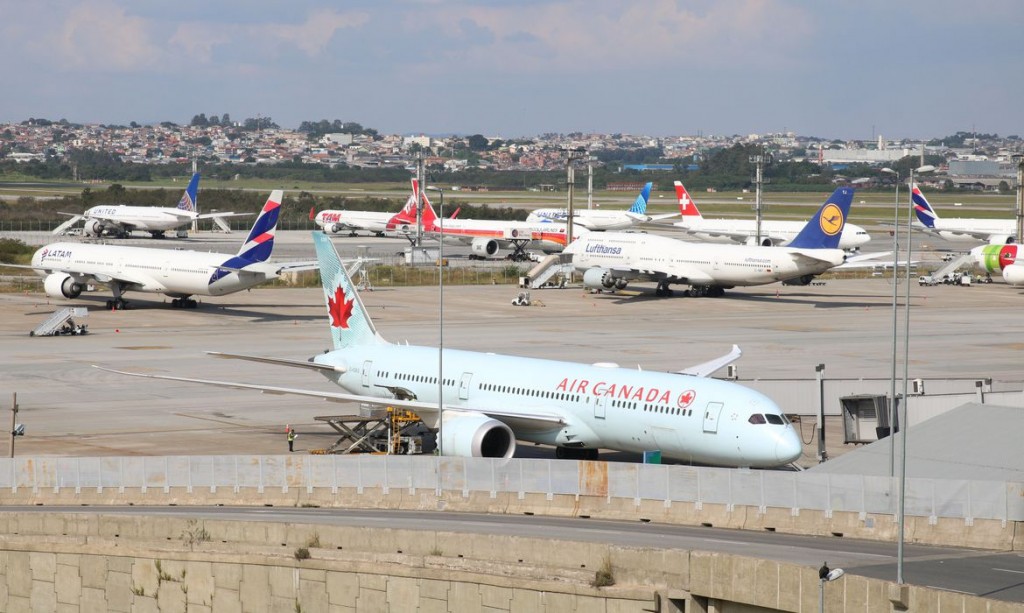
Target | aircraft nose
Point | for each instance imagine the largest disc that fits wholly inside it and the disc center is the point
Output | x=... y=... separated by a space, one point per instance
x=788 y=447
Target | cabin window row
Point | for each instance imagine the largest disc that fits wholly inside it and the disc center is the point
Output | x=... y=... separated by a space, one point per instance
x=522 y=391
x=383 y=374
x=660 y=408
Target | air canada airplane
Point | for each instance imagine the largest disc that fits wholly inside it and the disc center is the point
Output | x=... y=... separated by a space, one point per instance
x=744 y=231
x=120 y=220
x=611 y=260
x=602 y=220
x=485 y=402
x=69 y=267
x=992 y=231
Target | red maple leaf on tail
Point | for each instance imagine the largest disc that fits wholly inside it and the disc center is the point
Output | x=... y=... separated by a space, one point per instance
x=339 y=309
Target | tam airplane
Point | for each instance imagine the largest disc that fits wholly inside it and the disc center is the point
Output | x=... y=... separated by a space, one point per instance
x=337 y=221
x=604 y=220
x=992 y=231
x=486 y=402
x=486 y=238
x=69 y=267
x=611 y=260
x=744 y=231
x=120 y=220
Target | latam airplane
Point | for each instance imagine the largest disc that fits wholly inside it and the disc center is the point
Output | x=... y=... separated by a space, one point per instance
x=992 y=231
x=611 y=260
x=486 y=238
x=604 y=220
x=485 y=402
x=120 y=220
x=69 y=267
x=744 y=231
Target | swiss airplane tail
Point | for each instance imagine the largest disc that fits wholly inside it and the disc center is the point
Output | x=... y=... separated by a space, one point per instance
x=687 y=207
x=188 y=199
x=640 y=206
x=350 y=324
x=260 y=242
x=924 y=211
x=826 y=227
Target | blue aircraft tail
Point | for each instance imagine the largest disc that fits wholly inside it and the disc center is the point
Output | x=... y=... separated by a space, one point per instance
x=826 y=227
x=188 y=199
x=640 y=206
x=260 y=243
x=924 y=211
x=350 y=324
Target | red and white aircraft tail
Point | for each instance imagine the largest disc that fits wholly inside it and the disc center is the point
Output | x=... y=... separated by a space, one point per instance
x=687 y=207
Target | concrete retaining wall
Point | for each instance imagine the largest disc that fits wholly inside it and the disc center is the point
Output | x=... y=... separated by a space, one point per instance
x=76 y=562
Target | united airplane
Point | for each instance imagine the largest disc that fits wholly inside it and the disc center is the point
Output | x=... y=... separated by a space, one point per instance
x=483 y=403
x=611 y=260
x=604 y=220
x=120 y=220
x=992 y=231
x=744 y=231
x=68 y=268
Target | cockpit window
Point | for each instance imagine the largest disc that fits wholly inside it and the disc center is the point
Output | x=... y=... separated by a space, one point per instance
x=756 y=418
x=774 y=419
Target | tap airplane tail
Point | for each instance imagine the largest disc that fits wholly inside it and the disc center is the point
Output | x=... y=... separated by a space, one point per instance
x=687 y=207
x=825 y=228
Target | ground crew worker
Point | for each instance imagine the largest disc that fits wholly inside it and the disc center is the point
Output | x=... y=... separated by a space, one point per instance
x=291 y=439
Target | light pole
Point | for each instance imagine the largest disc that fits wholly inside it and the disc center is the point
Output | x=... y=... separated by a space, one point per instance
x=904 y=426
x=440 y=320
x=825 y=575
x=893 y=415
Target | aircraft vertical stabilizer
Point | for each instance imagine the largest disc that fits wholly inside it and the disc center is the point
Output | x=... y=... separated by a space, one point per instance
x=350 y=324
x=260 y=242
x=924 y=211
x=687 y=207
x=826 y=227
x=640 y=206
x=188 y=199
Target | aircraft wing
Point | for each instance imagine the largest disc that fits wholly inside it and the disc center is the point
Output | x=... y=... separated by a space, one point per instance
x=220 y=215
x=704 y=369
x=869 y=260
x=520 y=420
x=84 y=277
x=271 y=269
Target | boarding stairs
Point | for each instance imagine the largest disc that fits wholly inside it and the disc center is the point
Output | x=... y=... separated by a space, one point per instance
x=63 y=322
x=63 y=228
x=949 y=268
x=541 y=274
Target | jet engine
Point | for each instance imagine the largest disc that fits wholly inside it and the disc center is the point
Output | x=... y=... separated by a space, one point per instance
x=474 y=435
x=765 y=242
x=1014 y=275
x=335 y=228
x=61 y=285
x=1001 y=239
x=93 y=227
x=602 y=278
x=485 y=247
x=804 y=280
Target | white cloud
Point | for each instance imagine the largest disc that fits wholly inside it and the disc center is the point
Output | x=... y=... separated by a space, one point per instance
x=102 y=36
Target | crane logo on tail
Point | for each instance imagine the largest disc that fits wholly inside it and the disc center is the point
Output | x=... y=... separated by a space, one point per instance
x=339 y=309
x=831 y=220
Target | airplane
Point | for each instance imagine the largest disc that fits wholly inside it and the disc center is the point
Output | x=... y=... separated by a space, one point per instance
x=604 y=220
x=744 y=231
x=486 y=238
x=68 y=268
x=992 y=231
x=486 y=402
x=337 y=221
x=611 y=260
x=120 y=220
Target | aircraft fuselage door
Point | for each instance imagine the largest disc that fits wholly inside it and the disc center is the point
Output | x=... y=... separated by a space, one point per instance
x=367 y=367
x=599 y=407
x=711 y=415
x=464 y=385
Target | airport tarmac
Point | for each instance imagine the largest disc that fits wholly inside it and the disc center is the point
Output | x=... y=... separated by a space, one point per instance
x=71 y=409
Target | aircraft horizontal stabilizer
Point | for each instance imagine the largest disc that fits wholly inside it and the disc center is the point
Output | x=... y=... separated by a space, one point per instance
x=278 y=361
x=705 y=369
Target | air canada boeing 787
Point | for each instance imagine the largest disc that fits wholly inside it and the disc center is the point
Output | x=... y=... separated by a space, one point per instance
x=483 y=402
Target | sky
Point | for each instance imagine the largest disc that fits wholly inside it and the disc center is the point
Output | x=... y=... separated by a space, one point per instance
x=848 y=69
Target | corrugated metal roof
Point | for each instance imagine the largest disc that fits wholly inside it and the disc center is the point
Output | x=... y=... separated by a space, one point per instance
x=976 y=442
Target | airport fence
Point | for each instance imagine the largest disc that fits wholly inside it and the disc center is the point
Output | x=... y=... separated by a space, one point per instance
x=796 y=491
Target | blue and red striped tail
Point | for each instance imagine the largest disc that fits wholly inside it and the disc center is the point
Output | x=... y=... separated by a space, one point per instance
x=924 y=211
x=260 y=242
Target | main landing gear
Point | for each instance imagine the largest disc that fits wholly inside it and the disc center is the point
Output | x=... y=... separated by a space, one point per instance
x=184 y=303
x=663 y=291
x=117 y=304
x=711 y=291
x=567 y=453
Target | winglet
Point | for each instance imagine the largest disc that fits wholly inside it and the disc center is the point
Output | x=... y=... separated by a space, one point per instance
x=687 y=207
x=640 y=206
x=826 y=226
x=350 y=324
x=188 y=200
x=705 y=369
x=924 y=211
